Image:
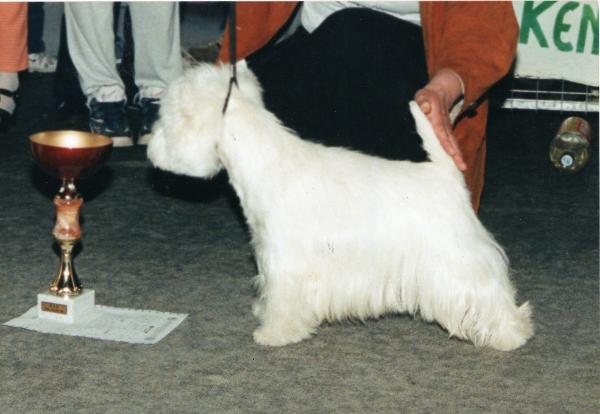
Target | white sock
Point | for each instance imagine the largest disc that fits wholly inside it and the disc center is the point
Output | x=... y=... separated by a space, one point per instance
x=8 y=81
x=151 y=92
x=109 y=93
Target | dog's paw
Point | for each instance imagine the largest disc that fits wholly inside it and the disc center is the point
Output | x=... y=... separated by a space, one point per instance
x=269 y=336
x=515 y=331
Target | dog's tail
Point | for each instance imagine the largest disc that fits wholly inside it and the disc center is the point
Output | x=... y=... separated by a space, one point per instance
x=431 y=143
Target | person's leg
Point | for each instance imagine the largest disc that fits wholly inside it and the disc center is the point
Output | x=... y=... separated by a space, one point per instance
x=157 y=56
x=349 y=83
x=70 y=111
x=91 y=43
x=157 y=50
x=35 y=18
x=13 y=37
x=92 y=47
x=13 y=57
x=39 y=60
x=9 y=83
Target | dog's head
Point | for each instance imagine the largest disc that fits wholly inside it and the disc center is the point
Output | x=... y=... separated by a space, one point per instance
x=185 y=138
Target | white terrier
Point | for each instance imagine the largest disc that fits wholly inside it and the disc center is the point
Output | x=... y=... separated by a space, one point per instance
x=338 y=234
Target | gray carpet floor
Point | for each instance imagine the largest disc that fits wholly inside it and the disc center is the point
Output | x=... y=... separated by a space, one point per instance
x=168 y=243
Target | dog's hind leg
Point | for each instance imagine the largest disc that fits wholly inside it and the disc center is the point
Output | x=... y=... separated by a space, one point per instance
x=284 y=316
x=476 y=301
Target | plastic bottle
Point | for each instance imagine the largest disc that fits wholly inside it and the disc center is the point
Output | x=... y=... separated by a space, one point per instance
x=570 y=148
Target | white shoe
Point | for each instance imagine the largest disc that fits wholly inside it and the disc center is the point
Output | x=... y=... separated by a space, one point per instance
x=42 y=63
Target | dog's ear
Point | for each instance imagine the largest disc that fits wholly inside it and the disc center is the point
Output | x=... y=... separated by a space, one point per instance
x=242 y=66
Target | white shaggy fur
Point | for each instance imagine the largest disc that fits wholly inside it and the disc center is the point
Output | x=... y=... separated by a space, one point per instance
x=338 y=234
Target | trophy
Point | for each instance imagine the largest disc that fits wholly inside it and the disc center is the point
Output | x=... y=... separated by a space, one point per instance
x=68 y=155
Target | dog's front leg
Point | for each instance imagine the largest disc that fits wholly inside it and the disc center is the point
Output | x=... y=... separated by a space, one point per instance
x=258 y=306
x=280 y=331
x=285 y=317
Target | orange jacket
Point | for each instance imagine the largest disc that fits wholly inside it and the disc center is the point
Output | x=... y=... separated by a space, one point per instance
x=476 y=39
x=13 y=37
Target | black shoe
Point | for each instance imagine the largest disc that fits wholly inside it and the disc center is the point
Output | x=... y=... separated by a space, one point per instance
x=149 y=108
x=7 y=119
x=110 y=119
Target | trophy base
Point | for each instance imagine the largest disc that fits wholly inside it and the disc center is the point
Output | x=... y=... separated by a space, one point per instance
x=67 y=309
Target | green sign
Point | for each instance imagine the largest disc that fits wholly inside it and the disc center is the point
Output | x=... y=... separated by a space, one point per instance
x=547 y=21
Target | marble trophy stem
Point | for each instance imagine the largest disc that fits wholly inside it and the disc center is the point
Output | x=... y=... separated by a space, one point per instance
x=67 y=232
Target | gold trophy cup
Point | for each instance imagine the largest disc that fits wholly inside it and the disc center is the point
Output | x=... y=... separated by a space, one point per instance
x=68 y=155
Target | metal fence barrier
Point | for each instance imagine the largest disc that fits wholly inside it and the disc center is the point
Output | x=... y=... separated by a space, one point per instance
x=550 y=94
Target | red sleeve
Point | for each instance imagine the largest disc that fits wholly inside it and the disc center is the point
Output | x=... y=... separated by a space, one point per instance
x=477 y=40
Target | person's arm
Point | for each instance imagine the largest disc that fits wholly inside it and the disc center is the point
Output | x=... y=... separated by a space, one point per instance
x=469 y=45
x=436 y=100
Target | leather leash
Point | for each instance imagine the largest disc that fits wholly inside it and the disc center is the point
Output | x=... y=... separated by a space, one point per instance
x=232 y=54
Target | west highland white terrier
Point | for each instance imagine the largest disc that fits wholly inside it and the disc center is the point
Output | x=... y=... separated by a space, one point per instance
x=338 y=234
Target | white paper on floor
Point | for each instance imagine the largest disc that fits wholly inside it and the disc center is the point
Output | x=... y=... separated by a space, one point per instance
x=111 y=324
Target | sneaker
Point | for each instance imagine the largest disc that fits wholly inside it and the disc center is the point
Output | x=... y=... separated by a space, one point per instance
x=110 y=119
x=149 y=108
x=42 y=63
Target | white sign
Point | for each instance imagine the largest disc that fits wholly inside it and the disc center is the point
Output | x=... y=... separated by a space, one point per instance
x=111 y=324
x=558 y=40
